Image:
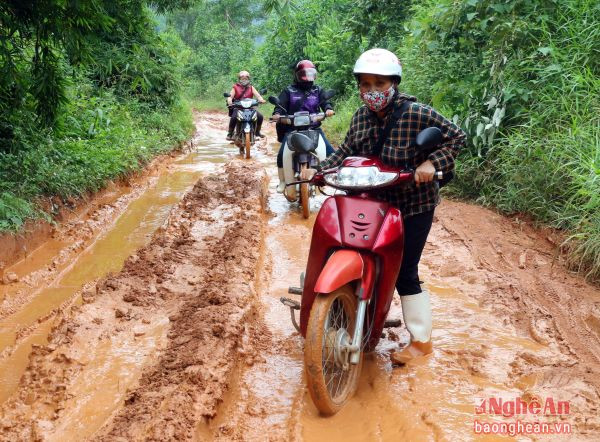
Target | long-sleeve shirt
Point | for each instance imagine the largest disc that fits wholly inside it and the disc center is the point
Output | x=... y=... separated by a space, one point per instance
x=294 y=99
x=400 y=151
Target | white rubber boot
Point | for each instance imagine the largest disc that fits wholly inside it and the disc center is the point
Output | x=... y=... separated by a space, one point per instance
x=281 y=185
x=416 y=310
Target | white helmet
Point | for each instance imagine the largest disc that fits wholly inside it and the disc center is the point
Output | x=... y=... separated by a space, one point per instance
x=379 y=62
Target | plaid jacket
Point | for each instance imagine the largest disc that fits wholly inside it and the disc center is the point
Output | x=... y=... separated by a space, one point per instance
x=399 y=151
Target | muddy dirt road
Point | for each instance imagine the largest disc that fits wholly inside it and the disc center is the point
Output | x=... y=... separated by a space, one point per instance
x=155 y=315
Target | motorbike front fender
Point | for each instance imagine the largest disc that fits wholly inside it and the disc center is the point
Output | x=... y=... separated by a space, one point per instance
x=341 y=268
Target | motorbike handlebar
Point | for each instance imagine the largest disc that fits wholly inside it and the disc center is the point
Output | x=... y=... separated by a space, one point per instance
x=289 y=119
x=318 y=178
x=239 y=103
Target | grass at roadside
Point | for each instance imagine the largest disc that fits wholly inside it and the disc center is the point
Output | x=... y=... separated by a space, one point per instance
x=336 y=127
x=99 y=139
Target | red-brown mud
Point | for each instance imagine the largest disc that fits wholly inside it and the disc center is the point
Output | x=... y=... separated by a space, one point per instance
x=189 y=342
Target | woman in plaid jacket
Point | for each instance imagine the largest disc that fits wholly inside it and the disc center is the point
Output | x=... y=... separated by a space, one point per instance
x=378 y=73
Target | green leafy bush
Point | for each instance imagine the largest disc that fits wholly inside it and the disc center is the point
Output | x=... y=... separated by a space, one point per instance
x=100 y=139
x=522 y=77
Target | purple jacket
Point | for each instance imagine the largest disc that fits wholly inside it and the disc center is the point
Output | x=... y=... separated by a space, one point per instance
x=295 y=99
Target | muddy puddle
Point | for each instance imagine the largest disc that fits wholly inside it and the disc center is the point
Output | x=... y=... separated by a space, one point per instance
x=104 y=254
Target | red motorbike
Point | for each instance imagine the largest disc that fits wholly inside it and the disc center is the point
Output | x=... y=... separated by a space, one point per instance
x=353 y=263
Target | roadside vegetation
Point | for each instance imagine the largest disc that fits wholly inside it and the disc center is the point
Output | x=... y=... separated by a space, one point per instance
x=521 y=77
x=89 y=92
x=94 y=91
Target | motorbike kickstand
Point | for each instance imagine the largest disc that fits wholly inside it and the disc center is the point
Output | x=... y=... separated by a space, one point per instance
x=293 y=305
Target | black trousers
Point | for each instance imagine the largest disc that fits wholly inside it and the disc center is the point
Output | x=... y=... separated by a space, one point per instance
x=416 y=230
x=233 y=120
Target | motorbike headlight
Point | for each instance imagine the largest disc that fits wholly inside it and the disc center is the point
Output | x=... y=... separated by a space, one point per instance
x=359 y=177
x=240 y=117
x=302 y=120
x=246 y=103
x=254 y=116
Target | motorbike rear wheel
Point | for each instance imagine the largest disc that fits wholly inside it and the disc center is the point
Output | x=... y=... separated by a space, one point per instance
x=330 y=377
x=305 y=196
x=247 y=142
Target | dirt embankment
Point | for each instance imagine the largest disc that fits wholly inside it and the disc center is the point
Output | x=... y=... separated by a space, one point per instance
x=78 y=211
x=80 y=225
x=196 y=274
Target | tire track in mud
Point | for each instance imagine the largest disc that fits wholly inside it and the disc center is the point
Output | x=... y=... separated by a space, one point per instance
x=266 y=399
x=188 y=292
x=192 y=374
x=92 y=241
x=514 y=272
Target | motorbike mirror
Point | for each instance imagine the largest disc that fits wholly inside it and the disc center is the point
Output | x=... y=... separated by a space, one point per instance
x=428 y=138
x=328 y=94
x=226 y=94
x=263 y=91
x=275 y=101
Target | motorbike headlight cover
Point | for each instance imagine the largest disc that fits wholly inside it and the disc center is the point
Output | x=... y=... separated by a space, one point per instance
x=302 y=120
x=359 y=177
x=246 y=103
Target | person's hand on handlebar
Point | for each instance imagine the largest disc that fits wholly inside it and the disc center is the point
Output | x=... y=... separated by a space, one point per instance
x=329 y=113
x=275 y=117
x=424 y=173
x=262 y=101
x=307 y=174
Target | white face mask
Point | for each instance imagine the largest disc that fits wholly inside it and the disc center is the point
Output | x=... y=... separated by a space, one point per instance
x=378 y=100
x=245 y=82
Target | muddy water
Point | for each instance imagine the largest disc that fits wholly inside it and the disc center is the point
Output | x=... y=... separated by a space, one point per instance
x=103 y=255
x=433 y=399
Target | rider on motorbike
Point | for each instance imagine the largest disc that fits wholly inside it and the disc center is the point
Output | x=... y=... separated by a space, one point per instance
x=243 y=89
x=378 y=73
x=302 y=95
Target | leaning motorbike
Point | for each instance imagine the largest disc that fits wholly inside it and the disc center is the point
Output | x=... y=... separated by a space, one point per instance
x=353 y=263
x=303 y=148
x=245 y=128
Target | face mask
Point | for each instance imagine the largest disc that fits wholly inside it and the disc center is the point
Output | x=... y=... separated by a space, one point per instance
x=377 y=100
x=244 y=82
x=304 y=85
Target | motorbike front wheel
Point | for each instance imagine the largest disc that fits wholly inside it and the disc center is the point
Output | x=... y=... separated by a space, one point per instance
x=330 y=377
x=247 y=145
x=305 y=196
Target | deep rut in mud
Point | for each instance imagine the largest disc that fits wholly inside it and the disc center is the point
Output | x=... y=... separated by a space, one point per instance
x=188 y=341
